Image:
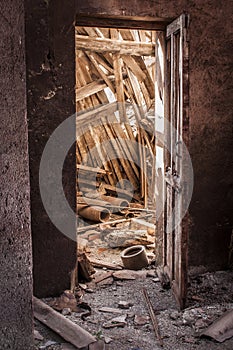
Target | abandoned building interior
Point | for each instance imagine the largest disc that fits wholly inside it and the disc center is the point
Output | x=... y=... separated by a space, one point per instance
x=116 y=175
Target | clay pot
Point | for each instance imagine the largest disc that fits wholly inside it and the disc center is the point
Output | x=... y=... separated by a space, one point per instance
x=134 y=258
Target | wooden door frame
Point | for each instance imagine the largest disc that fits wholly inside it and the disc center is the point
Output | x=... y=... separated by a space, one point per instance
x=156 y=24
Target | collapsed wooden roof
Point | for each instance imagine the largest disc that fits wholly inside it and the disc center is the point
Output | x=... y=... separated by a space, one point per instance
x=115 y=72
x=121 y=60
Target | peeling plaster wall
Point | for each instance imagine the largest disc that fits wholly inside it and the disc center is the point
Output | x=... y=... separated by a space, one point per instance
x=211 y=138
x=15 y=240
x=51 y=99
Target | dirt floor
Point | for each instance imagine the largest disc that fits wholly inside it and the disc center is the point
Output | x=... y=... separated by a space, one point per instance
x=210 y=295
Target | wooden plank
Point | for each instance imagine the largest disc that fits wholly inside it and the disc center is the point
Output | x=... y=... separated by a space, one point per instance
x=110 y=152
x=93 y=113
x=95 y=170
x=108 y=265
x=153 y=317
x=114 y=46
x=120 y=155
x=102 y=224
x=101 y=73
x=90 y=89
x=148 y=23
x=101 y=60
x=118 y=66
x=148 y=80
x=135 y=68
x=68 y=330
x=101 y=152
x=127 y=147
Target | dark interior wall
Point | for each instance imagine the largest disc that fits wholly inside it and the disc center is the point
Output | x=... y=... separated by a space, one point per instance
x=210 y=113
x=15 y=240
x=51 y=99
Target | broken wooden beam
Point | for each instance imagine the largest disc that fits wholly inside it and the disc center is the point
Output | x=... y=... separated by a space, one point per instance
x=92 y=169
x=68 y=330
x=90 y=89
x=153 y=317
x=80 y=229
x=125 y=47
x=85 y=268
x=108 y=265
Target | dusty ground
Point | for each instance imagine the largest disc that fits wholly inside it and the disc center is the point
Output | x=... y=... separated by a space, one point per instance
x=180 y=330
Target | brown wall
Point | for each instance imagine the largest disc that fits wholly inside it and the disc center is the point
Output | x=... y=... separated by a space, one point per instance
x=211 y=141
x=15 y=239
x=50 y=67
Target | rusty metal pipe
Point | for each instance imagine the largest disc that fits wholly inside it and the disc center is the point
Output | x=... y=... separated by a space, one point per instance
x=119 y=203
x=94 y=202
x=93 y=213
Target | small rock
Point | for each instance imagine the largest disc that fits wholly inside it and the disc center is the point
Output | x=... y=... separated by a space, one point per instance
x=106 y=282
x=116 y=322
x=151 y=273
x=107 y=340
x=140 y=320
x=156 y=280
x=66 y=311
x=37 y=335
x=124 y=304
x=174 y=315
x=110 y=310
x=83 y=286
x=129 y=274
x=101 y=275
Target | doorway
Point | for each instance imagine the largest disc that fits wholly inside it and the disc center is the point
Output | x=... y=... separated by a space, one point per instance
x=115 y=96
x=127 y=81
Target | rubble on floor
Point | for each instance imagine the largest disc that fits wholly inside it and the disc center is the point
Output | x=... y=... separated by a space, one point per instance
x=119 y=317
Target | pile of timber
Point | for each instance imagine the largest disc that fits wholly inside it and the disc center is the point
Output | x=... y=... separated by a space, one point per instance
x=104 y=209
x=115 y=79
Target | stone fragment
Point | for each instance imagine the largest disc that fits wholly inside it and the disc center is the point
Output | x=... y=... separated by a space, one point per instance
x=129 y=274
x=156 y=280
x=107 y=340
x=174 y=315
x=127 y=238
x=66 y=311
x=100 y=276
x=151 y=273
x=83 y=286
x=119 y=321
x=37 y=335
x=124 y=304
x=106 y=282
x=140 y=320
x=110 y=310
